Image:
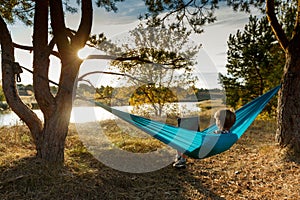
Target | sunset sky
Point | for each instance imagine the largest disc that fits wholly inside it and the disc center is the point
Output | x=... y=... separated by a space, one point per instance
x=213 y=40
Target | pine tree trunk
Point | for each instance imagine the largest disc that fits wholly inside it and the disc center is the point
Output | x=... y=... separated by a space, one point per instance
x=49 y=137
x=51 y=144
x=51 y=147
x=288 y=132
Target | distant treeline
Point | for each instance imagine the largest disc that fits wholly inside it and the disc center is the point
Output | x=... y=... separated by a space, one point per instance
x=120 y=95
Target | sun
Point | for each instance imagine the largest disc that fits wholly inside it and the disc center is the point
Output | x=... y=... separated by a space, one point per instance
x=84 y=53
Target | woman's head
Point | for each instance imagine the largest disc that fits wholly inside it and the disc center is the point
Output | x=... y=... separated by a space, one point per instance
x=225 y=118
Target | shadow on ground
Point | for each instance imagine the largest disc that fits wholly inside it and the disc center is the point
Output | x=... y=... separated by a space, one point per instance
x=86 y=178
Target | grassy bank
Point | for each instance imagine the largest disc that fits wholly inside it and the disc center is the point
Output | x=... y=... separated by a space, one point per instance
x=252 y=169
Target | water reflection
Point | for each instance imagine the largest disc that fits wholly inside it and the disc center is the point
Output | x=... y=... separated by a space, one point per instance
x=90 y=114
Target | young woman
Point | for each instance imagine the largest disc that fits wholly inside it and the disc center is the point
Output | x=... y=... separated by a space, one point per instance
x=225 y=119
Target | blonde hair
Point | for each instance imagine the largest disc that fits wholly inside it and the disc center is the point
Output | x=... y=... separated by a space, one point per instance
x=226 y=118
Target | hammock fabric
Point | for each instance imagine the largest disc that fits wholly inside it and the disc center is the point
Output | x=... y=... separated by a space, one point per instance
x=198 y=144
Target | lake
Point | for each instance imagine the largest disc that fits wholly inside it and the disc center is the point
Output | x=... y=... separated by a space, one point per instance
x=90 y=114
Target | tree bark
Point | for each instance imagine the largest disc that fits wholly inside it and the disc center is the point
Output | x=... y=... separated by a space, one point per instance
x=288 y=122
x=41 y=53
x=288 y=132
x=9 y=83
x=49 y=136
x=50 y=146
x=57 y=110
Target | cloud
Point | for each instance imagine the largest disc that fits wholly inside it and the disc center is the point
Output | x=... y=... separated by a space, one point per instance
x=128 y=12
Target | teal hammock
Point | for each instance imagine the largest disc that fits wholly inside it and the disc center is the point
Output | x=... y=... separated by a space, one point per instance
x=198 y=144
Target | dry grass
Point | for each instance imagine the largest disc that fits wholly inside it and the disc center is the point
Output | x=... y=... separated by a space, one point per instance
x=252 y=169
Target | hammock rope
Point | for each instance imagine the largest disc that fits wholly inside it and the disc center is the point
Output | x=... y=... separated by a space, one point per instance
x=197 y=144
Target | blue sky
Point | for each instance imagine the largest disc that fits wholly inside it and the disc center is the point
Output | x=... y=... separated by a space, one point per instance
x=214 y=38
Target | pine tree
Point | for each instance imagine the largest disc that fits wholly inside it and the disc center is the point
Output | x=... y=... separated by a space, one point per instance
x=255 y=63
